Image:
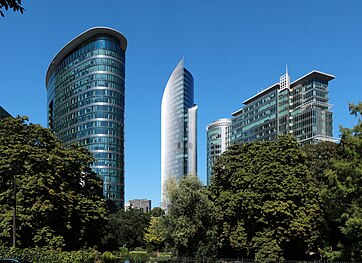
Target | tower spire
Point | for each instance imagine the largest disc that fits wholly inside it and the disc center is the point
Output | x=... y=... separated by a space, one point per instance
x=285 y=79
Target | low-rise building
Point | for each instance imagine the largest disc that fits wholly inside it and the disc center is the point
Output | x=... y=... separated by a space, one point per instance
x=143 y=204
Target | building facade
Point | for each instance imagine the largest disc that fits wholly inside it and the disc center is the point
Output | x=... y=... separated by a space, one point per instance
x=3 y=113
x=300 y=108
x=217 y=141
x=143 y=204
x=178 y=126
x=85 y=85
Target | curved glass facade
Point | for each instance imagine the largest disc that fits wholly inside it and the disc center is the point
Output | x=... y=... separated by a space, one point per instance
x=86 y=101
x=218 y=139
x=178 y=126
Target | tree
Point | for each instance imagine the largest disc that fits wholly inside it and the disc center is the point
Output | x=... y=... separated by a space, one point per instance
x=266 y=201
x=59 y=199
x=126 y=228
x=188 y=223
x=342 y=196
x=320 y=158
x=155 y=233
x=157 y=212
x=15 y=5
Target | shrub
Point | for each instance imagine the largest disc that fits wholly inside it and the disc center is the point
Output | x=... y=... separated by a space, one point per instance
x=138 y=256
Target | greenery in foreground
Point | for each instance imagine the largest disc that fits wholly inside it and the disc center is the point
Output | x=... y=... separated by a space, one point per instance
x=59 y=199
x=271 y=200
x=267 y=200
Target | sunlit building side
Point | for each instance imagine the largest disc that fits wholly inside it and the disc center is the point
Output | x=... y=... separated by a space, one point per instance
x=86 y=102
x=178 y=126
x=217 y=141
x=300 y=108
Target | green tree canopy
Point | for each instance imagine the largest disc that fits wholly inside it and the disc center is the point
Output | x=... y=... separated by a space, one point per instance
x=157 y=212
x=155 y=234
x=59 y=198
x=266 y=201
x=126 y=228
x=342 y=196
x=188 y=223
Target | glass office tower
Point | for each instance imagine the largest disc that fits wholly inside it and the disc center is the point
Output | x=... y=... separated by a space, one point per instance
x=300 y=108
x=86 y=98
x=178 y=126
x=218 y=139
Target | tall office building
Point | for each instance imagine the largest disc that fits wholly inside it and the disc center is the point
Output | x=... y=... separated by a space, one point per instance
x=218 y=140
x=86 y=98
x=178 y=126
x=300 y=108
x=3 y=113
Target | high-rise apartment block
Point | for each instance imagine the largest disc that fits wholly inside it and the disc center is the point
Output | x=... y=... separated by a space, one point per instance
x=300 y=108
x=86 y=98
x=218 y=139
x=143 y=204
x=178 y=126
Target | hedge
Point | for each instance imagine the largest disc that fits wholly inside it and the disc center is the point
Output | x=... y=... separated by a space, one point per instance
x=41 y=255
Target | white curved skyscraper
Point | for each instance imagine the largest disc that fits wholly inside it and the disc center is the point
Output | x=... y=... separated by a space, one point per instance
x=178 y=126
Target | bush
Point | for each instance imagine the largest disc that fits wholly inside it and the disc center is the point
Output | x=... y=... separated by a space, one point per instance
x=41 y=255
x=138 y=256
x=123 y=251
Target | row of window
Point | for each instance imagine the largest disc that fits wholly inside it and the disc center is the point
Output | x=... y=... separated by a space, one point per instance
x=70 y=135
x=98 y=115
x=72 y=83
x=91 y=109
x=88 y=63
x=91 y=124
x=68 y=107
x=98 y=47
x=103 y=146
x=99 y=84
x=102 y=139
x=72 y=76
x=108 y=156
x=111 y=175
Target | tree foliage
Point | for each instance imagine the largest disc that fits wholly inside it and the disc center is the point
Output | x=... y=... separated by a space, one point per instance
x=126 y=228
x=155 y=234
x=342 y=196
x=15 y=5
x=188 y=223
x=157 y=212
x=59 y=199
x=320 y=157
x=266 y=201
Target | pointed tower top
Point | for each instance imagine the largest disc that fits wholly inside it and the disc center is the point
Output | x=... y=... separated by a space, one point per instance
x=181 y=63
x=285 y=80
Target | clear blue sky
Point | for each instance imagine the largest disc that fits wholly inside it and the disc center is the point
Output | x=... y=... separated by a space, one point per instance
x=233 y=49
